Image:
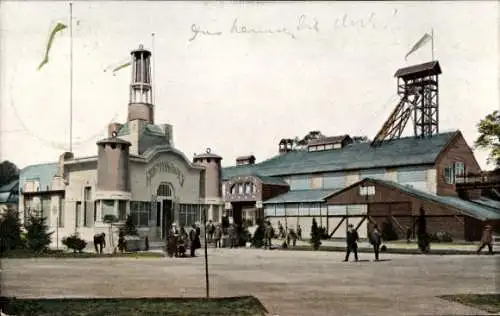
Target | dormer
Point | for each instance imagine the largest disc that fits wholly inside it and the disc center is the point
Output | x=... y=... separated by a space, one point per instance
x=245 y=160
x=329 y=143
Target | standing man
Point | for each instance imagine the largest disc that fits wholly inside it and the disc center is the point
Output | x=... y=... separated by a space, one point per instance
x=423 y=240
x=195 y=240
x=376 y=240
x=268 y=235
x=487 y=240
x=352 y=243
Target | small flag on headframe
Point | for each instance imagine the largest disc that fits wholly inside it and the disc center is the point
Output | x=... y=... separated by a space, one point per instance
x=424 y=40
x=57 y=28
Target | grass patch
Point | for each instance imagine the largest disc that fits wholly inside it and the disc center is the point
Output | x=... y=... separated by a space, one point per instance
x=487 y=302
x=244 y=306
x=23 y=253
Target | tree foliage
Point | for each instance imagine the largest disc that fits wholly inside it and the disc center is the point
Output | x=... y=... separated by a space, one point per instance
x=8 y=172
x=38 y=237
x=10 y=231
x=489 y=136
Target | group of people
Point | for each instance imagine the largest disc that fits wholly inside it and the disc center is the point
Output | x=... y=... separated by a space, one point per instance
x=178 y=240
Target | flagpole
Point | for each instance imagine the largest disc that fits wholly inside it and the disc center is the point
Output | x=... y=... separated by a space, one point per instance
x=71 y=77
x=432 y=43
x=153 y=68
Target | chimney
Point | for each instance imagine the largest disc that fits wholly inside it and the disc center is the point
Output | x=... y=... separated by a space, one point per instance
x=113 y=127
x=245 y=160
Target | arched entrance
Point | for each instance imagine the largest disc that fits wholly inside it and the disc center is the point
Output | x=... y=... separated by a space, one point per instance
x=164 y=207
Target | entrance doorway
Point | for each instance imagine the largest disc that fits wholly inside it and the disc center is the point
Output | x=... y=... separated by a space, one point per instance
x=167 y=213
x=164 y=208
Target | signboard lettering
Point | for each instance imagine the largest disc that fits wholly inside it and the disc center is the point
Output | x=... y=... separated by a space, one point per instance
x=164 y=167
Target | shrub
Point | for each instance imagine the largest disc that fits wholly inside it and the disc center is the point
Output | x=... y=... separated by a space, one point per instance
x=388 y=231
x=129 y=228
x=441 y=237
x=323 y=233
x=315 y=235
x=38 y=238
x=74 y=242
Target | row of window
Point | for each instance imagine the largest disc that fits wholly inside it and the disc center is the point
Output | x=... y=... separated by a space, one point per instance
x=324 y=147
x=313 y=209
x=243 y=188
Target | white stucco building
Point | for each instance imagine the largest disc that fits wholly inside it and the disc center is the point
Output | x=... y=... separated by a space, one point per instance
x=137 y=171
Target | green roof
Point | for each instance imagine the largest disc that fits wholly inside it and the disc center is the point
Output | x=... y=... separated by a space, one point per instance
x=488 y=202
x=467 y=207
x=151 y=136
x=301 y=196
x=401 y=152
x=42 y=172
x=124 y=130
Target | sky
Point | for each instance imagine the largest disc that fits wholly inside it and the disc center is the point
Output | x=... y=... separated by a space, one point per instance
x=330 y=68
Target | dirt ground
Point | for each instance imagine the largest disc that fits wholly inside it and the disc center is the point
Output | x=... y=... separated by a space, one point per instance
x=287 y=282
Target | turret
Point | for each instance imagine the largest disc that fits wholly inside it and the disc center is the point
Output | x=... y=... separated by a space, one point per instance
x=212 y=164
x=113 y=164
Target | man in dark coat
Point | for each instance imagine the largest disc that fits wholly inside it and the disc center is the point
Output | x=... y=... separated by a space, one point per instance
x=195 y=240
x=352 y=243
x=376 y=240
x=99 y=239
x=423 y=239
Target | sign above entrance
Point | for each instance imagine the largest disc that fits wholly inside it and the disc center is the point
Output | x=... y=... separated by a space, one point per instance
x=164 y=167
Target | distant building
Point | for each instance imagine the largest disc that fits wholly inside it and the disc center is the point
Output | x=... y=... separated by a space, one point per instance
x=137 y=171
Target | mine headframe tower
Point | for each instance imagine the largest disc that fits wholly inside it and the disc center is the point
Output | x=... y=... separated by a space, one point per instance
x=418 y=88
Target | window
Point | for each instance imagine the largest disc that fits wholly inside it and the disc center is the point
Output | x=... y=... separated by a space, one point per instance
x=46 y=209
x=366 y=191
x=108 y=208
x=233 y=189
x=140 y=210
x=78 y=211
x=189 y=214
x=88 y=212
x=449 y=174
x=329 y=146
x=240 y=188
x=459 y=169
x=60 y=215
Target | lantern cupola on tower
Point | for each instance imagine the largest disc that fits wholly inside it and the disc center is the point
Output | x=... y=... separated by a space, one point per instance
x=141 y=102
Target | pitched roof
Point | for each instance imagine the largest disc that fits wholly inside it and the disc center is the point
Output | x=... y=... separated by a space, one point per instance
x=401 y=152
x=416 y=71
x=301 y=196
x=466 y=207
x=42 y=172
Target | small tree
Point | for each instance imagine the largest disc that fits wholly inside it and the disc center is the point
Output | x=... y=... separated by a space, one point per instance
x=10 y=231
x=129 y=228
x=315 y=235
x=259 y=235
x=38 y=238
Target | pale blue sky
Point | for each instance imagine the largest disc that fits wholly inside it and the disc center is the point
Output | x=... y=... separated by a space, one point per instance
x=238 y=93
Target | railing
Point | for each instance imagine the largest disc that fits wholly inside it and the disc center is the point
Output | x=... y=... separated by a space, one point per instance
x=484 y=178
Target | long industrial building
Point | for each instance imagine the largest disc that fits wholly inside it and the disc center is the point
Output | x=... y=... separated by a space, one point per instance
x=339 y=180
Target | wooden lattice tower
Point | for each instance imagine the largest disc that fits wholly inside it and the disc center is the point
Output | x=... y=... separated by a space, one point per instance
x=418 y=87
